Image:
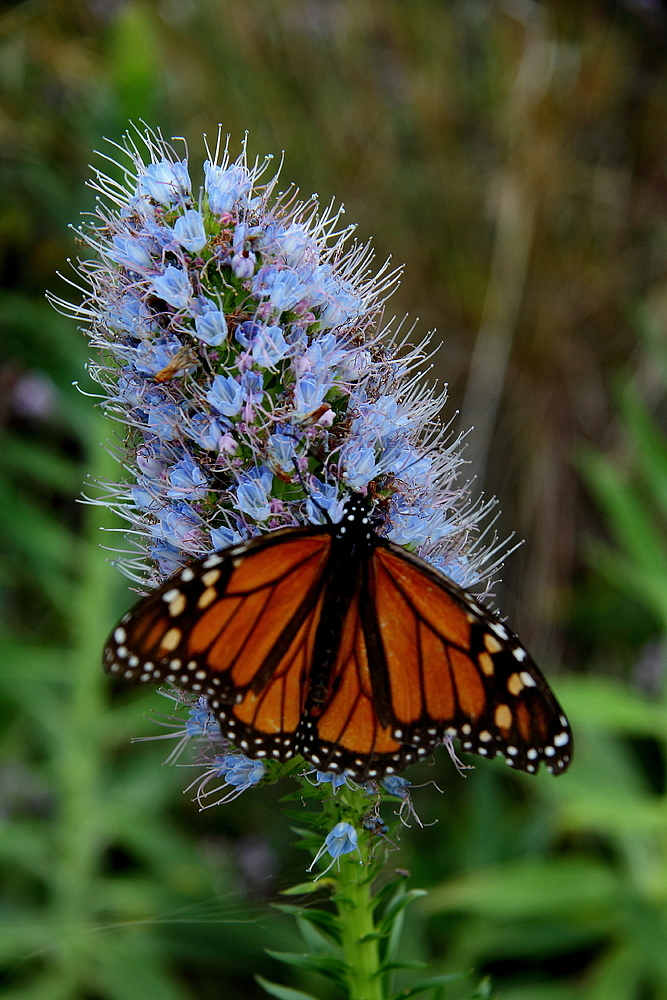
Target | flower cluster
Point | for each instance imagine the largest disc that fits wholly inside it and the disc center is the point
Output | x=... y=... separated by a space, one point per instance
x=241 y=351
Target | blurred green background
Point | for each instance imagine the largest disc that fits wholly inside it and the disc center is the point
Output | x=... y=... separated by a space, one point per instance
x=514 y=155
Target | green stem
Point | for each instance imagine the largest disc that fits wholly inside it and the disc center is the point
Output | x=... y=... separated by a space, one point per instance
x=353 y=901
x=353 y=875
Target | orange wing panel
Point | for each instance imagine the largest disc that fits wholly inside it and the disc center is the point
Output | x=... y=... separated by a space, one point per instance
x=524 y=721
x=212 y=623
x=156 y=633
x=278 y=706
x=237 y=632
x=398 y=628
x=349 y=719
x=469 y=687
x=432 y=602
x=261 y=569
x=438 y=689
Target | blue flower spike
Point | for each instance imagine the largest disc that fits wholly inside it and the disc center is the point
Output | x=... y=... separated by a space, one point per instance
x=241 y=350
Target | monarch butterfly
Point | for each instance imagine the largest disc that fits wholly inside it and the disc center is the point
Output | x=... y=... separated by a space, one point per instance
x=333 y=642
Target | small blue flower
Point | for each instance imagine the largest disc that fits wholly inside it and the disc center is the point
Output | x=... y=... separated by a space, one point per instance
x=187 y=480
x=270 y=347
x=295 y=245
x=224 y=187
x=281 y=450
x=200 y=725
x=239 y=772
x=164 y=420
x=179 y=526
x=252 y=499
x=211 y=325
x=252 y=384
x=395 y=785
x=189 y=231
x=284 y=289
x=129 y=314
x=341 y=840
x=323 y=497
x=150 y=357
x=246 y=332
x=168 y=557
x=222 y=538
x=309 y=394
x=358 y=465
x=205 y=431
x=165 y=182
x=329 y=777
x=226 y=395
x=142 y=498
x=150 y=463
x=174 y=287
x=131 y=253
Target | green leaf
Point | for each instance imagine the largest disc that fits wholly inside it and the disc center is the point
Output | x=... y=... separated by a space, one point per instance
x=389 y=889
x=529 y=889
x=308 y=887
x=430 y=984
x=396 y=907
x=326 y=922
x=408 y=964
x=283 y=992
x=324 y=965
x=484 y=991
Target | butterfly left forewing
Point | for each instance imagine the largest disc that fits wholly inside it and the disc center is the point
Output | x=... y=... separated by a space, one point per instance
x=237 y=627
x=455 y=670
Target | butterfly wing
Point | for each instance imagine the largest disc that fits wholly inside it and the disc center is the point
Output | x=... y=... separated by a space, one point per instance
x=237 y=627
x=449 y=668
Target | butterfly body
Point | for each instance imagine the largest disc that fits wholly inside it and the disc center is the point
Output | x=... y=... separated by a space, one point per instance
x=335 y=643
